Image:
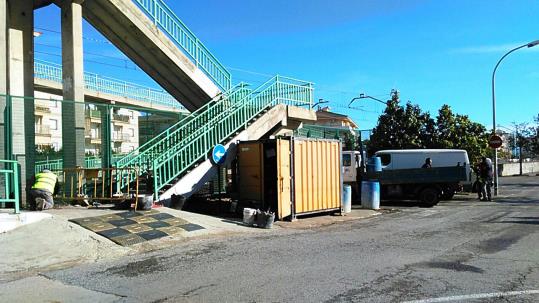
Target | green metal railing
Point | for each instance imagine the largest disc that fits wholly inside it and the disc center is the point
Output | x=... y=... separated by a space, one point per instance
x=9 y=172
x=165 y=19
x=278 y=90
x=93 y=82
x=58 y=164
x=325 y=132
x=175 y=136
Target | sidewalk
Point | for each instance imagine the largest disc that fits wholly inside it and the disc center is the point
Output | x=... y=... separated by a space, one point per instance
x=325 y=220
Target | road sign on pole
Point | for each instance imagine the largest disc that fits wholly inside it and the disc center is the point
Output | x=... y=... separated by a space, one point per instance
x=495 y=141
x=218 y=154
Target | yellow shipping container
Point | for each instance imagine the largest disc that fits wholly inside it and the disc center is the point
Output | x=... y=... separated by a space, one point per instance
x=292 y=176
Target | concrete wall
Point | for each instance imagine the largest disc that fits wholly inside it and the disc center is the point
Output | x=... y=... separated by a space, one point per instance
x=510 y=169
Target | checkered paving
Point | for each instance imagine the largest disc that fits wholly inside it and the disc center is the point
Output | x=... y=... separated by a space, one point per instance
x=129 y=228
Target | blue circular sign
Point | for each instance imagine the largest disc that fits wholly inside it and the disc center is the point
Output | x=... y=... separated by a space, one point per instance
x=218 y=154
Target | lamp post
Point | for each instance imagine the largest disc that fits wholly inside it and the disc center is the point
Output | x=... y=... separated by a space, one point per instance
x=363 y=96
x=528 y=45
x=320 y=101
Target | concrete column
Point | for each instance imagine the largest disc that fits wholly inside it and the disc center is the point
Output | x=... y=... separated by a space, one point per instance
x=73 y=88
x=106 y=135
x=20 y=83
x=3 y=77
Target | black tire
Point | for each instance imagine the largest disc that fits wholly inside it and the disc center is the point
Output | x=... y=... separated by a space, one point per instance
x=429 y=196
x=448 y=195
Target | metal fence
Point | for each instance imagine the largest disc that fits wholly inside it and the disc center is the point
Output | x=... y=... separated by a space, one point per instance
x=100 y=185
x=9 y=184
x=57 y=164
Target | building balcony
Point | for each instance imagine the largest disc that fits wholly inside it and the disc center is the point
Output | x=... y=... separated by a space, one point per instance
x=43 y=130
x=93 y=114
x=42 y=109
x=116 y=118
x=88 y=134
x=121 y=137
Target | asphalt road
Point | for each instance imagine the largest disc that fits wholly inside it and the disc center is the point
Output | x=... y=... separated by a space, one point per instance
x=459 y=250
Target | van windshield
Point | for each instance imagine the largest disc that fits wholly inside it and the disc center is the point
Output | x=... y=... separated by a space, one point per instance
x=346 y=160
x=386 y=159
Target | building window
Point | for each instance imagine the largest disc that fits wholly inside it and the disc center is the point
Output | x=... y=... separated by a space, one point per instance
x=132 y=132
x=53 y=124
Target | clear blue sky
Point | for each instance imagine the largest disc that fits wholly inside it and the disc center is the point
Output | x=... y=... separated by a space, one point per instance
x=433 y=52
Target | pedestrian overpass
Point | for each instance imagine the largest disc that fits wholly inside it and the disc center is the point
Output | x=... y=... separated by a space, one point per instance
x=152 y=36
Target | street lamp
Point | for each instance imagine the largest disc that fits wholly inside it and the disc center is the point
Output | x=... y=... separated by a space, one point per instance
x=320 y=101
x=363 y=96
x=528 y=45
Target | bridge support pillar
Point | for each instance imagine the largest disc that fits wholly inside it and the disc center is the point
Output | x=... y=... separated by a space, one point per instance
x=4 y=145
x=106 y=136
x=73 y=118
x=20 y=83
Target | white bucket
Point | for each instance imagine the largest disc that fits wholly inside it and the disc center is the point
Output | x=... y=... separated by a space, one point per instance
x=249 y=216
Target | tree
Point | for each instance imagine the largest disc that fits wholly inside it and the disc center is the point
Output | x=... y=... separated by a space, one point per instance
x=408 y=127
x=534 y=138
x=399 y=127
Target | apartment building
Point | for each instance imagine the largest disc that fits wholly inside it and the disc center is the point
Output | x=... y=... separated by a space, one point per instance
x=48 y=126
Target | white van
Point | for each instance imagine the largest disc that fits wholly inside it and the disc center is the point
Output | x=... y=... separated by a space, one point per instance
x=415 y=158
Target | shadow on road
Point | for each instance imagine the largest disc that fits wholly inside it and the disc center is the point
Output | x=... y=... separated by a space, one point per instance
x=534 y=222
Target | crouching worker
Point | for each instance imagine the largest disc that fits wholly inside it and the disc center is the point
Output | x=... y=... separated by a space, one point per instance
x=45 y=184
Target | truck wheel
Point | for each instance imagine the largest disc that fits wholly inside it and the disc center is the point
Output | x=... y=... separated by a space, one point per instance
x=429 y=196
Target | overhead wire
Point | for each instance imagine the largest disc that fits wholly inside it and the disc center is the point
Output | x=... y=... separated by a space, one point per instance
x=83 y=37
x=88 y=53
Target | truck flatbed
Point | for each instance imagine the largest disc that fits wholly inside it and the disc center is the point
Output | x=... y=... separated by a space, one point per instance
x=438 y=175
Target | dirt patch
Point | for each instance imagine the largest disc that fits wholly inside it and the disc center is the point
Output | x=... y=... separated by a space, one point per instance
x=453 y=266
x=498 y=244
x=137 y=268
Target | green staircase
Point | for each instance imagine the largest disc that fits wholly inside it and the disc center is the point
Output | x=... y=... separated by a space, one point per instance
x=170 y=155
x=180 y=148
x=177 y=134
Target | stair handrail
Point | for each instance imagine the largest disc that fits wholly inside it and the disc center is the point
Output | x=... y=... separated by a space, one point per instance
x=177 y=127
x=181 y=35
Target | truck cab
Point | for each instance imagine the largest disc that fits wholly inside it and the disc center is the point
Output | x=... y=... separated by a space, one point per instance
x=350 y=163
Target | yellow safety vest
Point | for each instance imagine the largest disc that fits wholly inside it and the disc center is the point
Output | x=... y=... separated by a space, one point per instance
x=45 y=181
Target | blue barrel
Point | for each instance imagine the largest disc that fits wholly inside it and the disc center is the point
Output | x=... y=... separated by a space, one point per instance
x=370 y=195
x=347 y=199
x=374 y=164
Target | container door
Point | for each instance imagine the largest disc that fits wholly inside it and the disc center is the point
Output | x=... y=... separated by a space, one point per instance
x=283 y=179
x=251 y=183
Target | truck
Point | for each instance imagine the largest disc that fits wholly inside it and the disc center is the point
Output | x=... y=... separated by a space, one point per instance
x=403 y=178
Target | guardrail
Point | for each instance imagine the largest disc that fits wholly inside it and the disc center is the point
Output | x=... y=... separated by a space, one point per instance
x=182 y=36
x=53 y=72
x=9 y=173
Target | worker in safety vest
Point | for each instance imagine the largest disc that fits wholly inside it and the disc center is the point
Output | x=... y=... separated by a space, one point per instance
x=45 y=185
